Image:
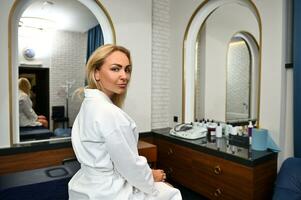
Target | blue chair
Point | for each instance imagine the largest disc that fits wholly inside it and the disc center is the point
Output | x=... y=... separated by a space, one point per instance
x=288 y=182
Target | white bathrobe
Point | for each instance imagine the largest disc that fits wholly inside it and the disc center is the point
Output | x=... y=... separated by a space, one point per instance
x=27 y=116
x=104 y=139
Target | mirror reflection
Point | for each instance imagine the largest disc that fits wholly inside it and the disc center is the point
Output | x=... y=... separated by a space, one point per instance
x=242 y=78
x=238 y=80
x=54 y=40
x=227 y=66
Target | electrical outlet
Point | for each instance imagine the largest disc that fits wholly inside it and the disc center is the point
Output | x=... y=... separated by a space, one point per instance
x=175 y=118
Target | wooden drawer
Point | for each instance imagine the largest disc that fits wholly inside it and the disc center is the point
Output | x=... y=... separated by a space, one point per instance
x=230 y=173
x=178 y=174
x=174 y=154
x=215 y=177
x=176 y=161
x=214 y=189
x=221 y=178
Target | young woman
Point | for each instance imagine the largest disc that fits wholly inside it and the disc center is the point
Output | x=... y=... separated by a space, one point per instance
x=27 y=116
x=104 y=138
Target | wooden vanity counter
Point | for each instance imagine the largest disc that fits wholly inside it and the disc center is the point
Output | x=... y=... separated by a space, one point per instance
x=52 y=153
x=216 y=170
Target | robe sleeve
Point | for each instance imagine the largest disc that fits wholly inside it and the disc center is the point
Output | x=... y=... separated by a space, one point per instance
x=128 y=163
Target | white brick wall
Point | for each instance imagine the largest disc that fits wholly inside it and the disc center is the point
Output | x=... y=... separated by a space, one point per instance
x=238 y=75
x=160 y=64
x=67 y=64
x=199 y=113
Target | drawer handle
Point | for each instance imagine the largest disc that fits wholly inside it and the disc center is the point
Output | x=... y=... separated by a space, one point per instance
x=169 y=152
x=217 y=170
x=218 y=192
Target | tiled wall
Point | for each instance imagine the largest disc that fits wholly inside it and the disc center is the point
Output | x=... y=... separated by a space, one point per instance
x=67 y=64
x=200 y=75
x=160 y=64
x=198 y=100
x=238 y=75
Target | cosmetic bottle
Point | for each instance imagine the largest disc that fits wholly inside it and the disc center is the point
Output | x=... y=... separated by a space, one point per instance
x=218 y=131
x=208 y=136
x=205 y=124
x=227 y=129
x=234 y=131
x=211 y=126
x=250 y=127
x=209 y=130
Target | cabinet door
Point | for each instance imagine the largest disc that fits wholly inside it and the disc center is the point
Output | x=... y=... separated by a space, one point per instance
x=219 y=178
x=176 y=162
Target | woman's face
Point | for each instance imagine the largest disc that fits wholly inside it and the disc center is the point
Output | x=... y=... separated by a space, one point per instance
x=114 y=74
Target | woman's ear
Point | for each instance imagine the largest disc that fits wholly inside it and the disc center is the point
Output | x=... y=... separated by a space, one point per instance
x=97 y=74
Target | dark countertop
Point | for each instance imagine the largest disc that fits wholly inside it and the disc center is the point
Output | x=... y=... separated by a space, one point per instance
x=221 y=147
x=36 y=146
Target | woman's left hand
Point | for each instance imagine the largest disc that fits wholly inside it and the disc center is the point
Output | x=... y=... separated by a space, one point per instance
x=41 y=117
x=159 y=175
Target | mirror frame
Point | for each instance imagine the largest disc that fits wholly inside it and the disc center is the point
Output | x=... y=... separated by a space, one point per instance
x=19 y=6
x=196 y=21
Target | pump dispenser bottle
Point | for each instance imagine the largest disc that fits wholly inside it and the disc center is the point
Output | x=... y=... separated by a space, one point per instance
x=218 y=131
x=250 y=127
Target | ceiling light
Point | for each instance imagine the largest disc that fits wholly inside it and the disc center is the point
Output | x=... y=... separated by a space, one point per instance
x=37 y=23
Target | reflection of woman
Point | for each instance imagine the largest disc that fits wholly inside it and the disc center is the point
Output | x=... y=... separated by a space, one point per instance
x=27 y=115
x=105 y=138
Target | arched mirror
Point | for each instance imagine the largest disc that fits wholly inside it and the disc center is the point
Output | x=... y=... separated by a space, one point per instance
x=54 y=39
x=221 y=62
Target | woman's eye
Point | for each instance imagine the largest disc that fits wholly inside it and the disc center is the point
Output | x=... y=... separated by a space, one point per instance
x=128 y=70
x=115 y=69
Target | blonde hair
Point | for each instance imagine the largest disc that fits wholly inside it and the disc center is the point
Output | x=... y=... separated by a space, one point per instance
x=24 y=85
x=96 y=61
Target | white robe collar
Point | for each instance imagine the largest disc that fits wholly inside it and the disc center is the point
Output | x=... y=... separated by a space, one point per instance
x=96 y=93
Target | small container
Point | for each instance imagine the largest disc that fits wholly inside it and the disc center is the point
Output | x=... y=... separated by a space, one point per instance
x=219 y=131
x=194 y=124
x=211 y=126
x=208 y=136
x=234 y=131
x=228 y=129
x=210 y=130
x=250 y=127
x=205 y=124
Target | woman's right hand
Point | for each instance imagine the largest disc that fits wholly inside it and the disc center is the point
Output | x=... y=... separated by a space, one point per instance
x=159 y=175
x=43 y=120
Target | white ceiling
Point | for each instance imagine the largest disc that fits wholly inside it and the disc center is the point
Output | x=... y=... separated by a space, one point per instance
x=69 y=15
